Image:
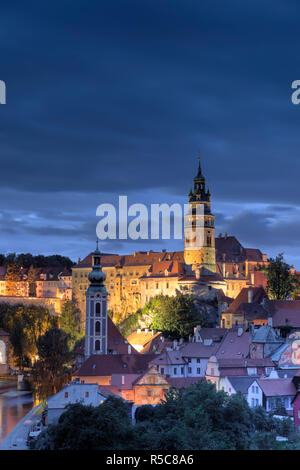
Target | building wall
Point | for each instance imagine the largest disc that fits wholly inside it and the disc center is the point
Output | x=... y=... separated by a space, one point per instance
x=53 y=304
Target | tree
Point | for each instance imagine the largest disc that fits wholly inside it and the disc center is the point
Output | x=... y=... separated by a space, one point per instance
x=25 y=324
x=32 y=281
x=51 y=371
x=280 y=282
x=12 y=278
x=195 y=418
x=106 y=427
x=174 y=316
x=70 y=322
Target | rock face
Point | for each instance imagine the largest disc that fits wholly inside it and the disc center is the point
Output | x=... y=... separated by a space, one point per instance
x=208 y=312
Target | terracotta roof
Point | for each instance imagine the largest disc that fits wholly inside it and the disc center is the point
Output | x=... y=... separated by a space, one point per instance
x=141 y=258
x=246 y=362
x=258 y=295
x=156 y=345
x=277 y=387
x=107 y=364
x=123 y=381
x=216 y=334
x=184 y=382
x=253 y=254
x=142 y=337
x=253 y=311
x=115 y=341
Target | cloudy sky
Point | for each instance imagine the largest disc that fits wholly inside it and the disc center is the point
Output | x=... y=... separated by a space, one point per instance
x=109 y=98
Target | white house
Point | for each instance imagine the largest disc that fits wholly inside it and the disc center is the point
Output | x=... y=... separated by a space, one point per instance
x=85 y=393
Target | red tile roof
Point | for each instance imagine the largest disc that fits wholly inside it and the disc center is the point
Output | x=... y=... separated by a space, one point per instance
x=100 y=365
x=284 y=312
x=258 y=295
x=234 y=346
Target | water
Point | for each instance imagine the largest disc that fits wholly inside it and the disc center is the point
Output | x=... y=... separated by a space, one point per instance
x=12 y=410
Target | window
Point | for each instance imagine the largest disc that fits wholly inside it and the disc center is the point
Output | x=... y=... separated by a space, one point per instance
x=162 y=370
x=157 y=285
x=252 y=402
x=149 y=393
x=212 y=371
x=175 y=370
x=97 y=345
x=256 y=389
x=190 y=370
x=86 y=394
x=98 y=307
x=167 y=285
x=66 y=394
x=182 y=370
x=198 y=370
x=97 y=328
x=198 y=361
x=229 y=390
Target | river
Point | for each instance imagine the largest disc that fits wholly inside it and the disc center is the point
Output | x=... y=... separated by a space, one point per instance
x=12 y=410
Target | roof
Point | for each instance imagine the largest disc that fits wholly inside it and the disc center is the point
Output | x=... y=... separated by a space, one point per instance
x=234 y=346
x=198 y=350
x=140 y=258
x=249 y=362
x=115 y=341
x=258 y=295
x=241 y=384
x=277 y=387
x=141 y=337
x=123 y=381
x=99 y=365
x=169 y=358
x=165 y=269
x=216 y=334
x=284 y=312
x=266 y=334
x=184 y=382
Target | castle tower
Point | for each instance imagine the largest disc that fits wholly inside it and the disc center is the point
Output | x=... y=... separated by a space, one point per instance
x=96 y=310
x=199 y=251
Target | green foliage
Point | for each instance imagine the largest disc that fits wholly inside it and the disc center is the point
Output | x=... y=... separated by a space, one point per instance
x=82 y=427
x=280 y=282
x=174 y=316
x=189 y=419
x=51 y=371
x=70 y=322
x=25 y=324
x=130 y=324
x=32 y=281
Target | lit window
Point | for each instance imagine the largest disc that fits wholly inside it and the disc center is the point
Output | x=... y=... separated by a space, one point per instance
x=66 y=394
x=86 y=394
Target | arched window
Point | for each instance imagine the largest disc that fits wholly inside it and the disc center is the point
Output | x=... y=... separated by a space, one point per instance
x=97 y=345
x=97 y=328
x=98 y=309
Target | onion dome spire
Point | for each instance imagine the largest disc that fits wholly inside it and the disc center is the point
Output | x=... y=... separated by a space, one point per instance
x=96 y=276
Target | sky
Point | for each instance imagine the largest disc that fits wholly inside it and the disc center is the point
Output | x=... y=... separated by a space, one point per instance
x=109 y=98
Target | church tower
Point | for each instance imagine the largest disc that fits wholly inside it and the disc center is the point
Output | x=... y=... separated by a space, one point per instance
x=199 y=228
x=96 y=310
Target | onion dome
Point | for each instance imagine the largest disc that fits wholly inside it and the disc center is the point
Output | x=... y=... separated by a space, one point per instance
x=96 y=276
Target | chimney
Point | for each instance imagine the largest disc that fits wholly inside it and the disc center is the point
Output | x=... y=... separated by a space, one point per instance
x=220 y=235
x=129 y=349
x=250 y=295
x=123 y=380
x=79 y=260
x=240 y=331
x=270 y=321
x=223 y=269
x=225 y=235
x=197 y=274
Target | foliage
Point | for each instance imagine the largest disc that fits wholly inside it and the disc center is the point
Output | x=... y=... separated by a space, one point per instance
x=25 y=324
x=280 y=282
x=130 y=324
x=32 y=281
x=89 y=428
x=27 y=259
x=189 y=419
x=51 y=371
x=12 y=277
x=70 y=322
x=174 y=316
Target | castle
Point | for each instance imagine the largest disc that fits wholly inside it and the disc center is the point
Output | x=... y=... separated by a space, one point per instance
x=216 y=264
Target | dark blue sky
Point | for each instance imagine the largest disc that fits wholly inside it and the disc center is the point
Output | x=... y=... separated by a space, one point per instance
x=120 y=97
